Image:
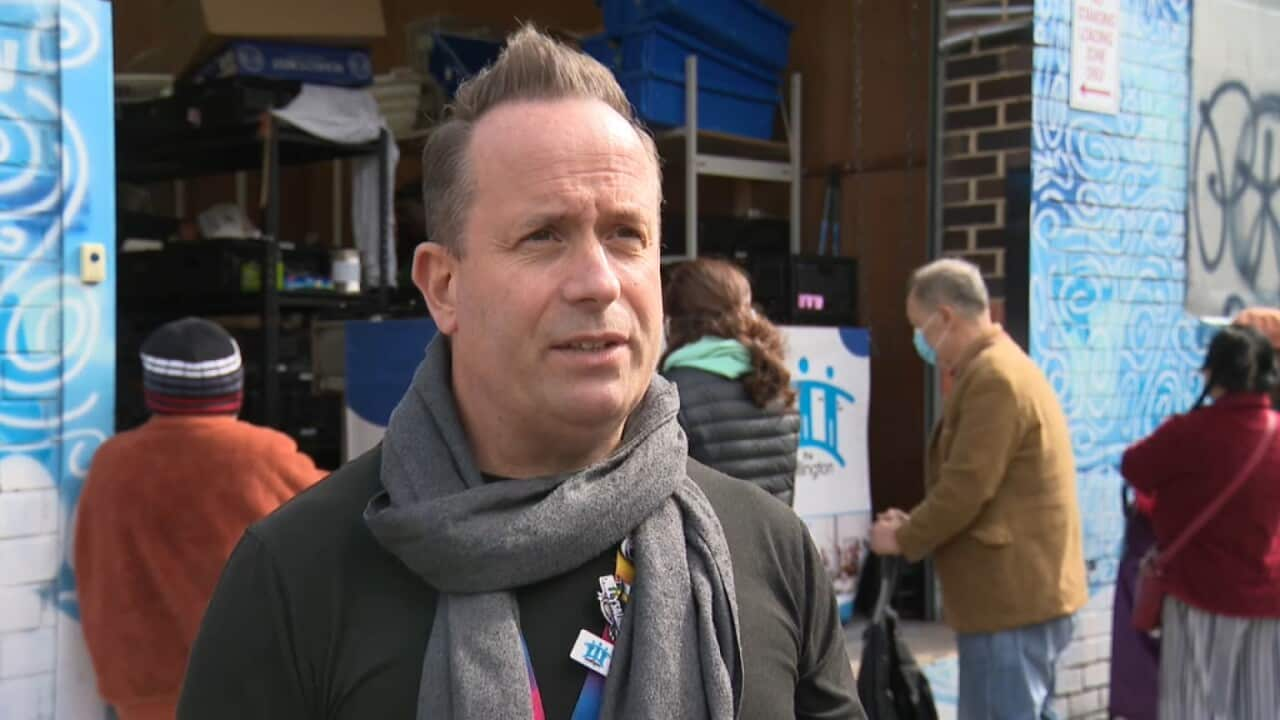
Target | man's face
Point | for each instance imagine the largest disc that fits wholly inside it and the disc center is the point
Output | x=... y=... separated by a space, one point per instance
x=555 y=306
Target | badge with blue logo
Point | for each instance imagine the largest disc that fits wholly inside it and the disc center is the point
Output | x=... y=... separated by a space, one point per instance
x=593 y=652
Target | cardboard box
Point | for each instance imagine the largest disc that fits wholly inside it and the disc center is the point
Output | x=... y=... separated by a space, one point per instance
x=193 y=30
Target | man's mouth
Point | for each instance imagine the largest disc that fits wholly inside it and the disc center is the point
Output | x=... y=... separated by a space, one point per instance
x=589 y=346
x=592 y=343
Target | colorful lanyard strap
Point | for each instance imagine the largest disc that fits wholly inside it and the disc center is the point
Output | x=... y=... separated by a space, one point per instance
x=615 y=592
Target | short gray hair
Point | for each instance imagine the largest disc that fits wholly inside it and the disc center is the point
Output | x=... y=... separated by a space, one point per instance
x=533 y=66
x=952 y=282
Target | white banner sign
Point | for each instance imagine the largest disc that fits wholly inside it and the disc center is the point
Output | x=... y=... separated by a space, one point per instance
x=831 y=372
x=1095 y=56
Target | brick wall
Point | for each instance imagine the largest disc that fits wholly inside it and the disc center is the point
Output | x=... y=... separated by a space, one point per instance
x=29 y=510
x=986 y=132
x=57 y=185
x=1085 y=669
x=1108 y=280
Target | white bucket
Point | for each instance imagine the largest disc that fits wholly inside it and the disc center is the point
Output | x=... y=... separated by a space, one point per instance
x=346 y=271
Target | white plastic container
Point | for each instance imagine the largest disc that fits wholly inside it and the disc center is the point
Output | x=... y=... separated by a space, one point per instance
x=346 y=271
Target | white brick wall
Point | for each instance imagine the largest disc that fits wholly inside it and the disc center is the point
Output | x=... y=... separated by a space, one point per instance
x=29 y=512
x=27 y=653
x=1086 y=703
x=1097 y=675
x=27 y=698
x=1070 y=681
x=22 y=472
x=27 y=560
x=1085 y=667
x=21 y=608
x=1094 y=623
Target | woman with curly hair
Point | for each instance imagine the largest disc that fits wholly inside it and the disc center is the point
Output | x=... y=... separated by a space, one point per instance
x=736 y=401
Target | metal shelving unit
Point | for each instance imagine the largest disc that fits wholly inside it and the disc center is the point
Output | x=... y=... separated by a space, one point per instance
x=267 y=146
x=735 y=157
x=271 y=297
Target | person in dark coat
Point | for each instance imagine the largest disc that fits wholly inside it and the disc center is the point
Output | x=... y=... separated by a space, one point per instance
x=736 y=401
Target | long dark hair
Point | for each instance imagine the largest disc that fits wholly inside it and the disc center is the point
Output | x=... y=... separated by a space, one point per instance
x=707 y=296
x=1240 y=359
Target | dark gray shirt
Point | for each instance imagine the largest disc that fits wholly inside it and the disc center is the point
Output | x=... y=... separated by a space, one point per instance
x=313 y=619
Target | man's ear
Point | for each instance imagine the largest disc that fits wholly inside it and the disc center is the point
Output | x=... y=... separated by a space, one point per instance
x=435 y=272
x=946 y=313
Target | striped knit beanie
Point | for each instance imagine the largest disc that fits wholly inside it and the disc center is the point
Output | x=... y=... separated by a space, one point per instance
x=192 y=367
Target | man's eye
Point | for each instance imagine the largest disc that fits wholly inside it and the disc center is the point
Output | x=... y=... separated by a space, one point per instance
x=626 y=232
x=543 y=235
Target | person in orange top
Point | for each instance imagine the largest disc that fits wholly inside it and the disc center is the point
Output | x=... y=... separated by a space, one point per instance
x=162 y=509
x=1265 y=320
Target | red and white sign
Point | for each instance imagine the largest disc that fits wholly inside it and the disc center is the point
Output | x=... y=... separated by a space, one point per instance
x=1095 y=56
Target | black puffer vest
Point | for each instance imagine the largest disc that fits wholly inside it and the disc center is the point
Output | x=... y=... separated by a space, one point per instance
x=729 y=432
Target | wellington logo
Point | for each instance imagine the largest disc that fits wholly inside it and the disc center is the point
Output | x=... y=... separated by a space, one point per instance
x=820 y=432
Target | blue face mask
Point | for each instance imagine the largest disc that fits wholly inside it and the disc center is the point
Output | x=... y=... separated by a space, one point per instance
x=927 y=352
x=923 y=349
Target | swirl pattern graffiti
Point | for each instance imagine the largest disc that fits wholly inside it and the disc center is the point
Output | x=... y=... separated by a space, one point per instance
x=1107 y=245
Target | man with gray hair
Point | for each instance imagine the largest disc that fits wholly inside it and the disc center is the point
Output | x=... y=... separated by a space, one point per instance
x=1000 y=515
x=530 y=540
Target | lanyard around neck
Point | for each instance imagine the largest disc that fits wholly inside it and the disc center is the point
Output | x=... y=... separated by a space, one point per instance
x=589 y=699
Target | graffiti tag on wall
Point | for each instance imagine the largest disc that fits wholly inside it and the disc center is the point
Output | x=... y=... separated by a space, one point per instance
x=1234 y=217
x=1233 y=208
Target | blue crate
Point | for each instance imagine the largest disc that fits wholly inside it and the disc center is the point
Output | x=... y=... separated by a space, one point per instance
x=662 y=49
x=659 y=101
x=289 y=61
x=605 y=49
x=738 y=27
x=454 y=58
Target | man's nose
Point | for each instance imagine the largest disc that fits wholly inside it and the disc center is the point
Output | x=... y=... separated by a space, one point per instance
x=592 y=275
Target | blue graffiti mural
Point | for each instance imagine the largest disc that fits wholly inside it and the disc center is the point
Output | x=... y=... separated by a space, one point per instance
x=1108 y=238
x=826 y=395
x=1235 y=180
x=57 y=192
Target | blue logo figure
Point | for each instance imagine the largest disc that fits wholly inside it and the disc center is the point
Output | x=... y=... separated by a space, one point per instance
x=597 y=654
x=829 y=442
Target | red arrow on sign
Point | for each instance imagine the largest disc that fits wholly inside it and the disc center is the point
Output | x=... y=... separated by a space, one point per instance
x=1086 y=90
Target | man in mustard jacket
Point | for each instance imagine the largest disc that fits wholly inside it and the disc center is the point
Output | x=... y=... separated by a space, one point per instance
x=1000 y=515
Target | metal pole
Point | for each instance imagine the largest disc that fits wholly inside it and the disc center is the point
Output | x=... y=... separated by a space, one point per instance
x=338 y=204
x=969 y=12
x=270 y=297
x=691 y=156
x=384 y=138
x=935 y=136
x=985 y=31
x=797 y=164
x=933 y=388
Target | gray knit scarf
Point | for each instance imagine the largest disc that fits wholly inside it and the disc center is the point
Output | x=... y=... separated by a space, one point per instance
x=677 y=654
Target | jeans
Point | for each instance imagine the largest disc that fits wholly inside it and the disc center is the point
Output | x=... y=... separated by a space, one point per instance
x=1008 y=675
